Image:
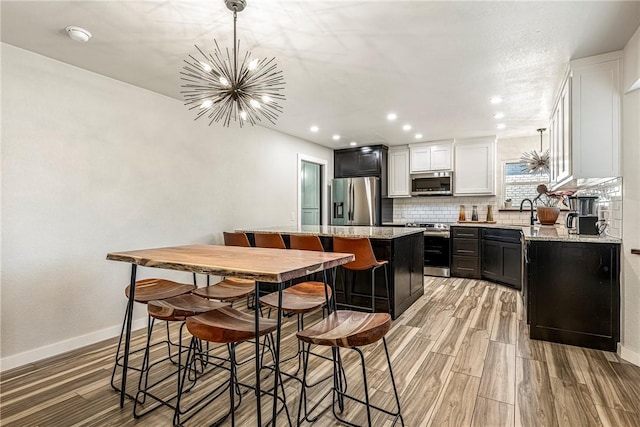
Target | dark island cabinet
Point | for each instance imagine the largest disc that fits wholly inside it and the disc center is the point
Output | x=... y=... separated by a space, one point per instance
x=502 y=259
x=574 y=293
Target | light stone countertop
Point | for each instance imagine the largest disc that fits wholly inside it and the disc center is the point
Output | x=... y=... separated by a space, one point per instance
x=556 y=232
x=344 y=231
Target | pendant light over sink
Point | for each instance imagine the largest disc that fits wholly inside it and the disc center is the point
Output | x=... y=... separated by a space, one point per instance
x=217 y=86
x=534 y=162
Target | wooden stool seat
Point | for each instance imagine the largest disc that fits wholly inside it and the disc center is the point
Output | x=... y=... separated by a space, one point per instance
x=156 y=289
x=345 y=328
x=181 y=307
x=227 y=325
x=229 y=289
x=301 y=298
x=361 y=248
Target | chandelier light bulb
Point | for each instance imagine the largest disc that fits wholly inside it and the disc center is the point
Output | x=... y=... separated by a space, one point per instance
x=253 y=64
x=266 y=99
x=254 y=103
x=207 y=103
x=206 y=67
x=224 y=81
x=243 y=115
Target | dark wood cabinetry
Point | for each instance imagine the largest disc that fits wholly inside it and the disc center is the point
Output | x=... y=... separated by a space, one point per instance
x=501 y=255
x=362 y=161
x=573 y=293
x=465 y=252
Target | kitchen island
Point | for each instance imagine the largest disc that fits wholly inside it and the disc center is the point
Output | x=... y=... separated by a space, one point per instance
x=402 y=247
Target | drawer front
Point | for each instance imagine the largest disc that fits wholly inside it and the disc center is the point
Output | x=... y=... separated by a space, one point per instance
x=501 y=235
x=465 y=232
x=464 y=266
x=466 y=247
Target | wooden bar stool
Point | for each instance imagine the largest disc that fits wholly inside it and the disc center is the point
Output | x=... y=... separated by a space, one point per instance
x=269 y=240
x=365 y=260
x=348 y=329
x=228 y=326
x=148 y=290
x=230 y=289
x=174 y=309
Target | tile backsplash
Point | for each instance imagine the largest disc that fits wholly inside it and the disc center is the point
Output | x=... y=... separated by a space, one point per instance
x=447 y=209
x=609 y=203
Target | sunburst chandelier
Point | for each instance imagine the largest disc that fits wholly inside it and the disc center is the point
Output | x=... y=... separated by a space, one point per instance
x=534 y=162
x=216 y=86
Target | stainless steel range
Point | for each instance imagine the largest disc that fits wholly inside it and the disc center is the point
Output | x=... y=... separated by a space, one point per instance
x=436 y=248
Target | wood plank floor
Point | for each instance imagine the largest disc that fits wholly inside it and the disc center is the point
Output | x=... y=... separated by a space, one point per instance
x=461 y=357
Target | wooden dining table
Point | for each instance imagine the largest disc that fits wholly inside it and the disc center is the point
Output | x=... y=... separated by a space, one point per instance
x=259 y=264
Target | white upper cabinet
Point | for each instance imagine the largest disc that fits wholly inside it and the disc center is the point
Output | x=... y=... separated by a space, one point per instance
x=585 y=125
x=398 y=177
x=475 y=167
x=431 y=156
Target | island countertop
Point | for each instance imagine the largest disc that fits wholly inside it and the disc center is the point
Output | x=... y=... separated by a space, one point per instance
x=337 y=230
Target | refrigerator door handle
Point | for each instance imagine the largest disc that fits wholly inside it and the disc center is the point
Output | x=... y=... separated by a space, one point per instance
x=350 y=198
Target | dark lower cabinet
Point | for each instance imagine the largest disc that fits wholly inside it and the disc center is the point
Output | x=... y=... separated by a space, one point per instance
x=465 y=252
x=574 y=293
x=501 y=256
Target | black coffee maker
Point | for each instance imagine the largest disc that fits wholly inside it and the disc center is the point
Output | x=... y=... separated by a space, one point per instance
x=583 y=218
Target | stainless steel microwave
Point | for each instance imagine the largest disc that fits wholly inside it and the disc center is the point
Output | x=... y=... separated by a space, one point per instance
x=432 y=184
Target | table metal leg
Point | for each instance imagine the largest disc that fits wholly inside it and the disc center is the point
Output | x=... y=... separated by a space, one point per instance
x=277 y=355
x=127 y=341
x=257 y=341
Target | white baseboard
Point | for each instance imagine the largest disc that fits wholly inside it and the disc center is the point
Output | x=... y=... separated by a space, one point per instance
x=55 y=349
x=629 y=355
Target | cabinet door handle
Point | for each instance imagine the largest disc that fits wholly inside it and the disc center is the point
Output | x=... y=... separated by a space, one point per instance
x=465 y=235
x=464 y=251
x=464 y=268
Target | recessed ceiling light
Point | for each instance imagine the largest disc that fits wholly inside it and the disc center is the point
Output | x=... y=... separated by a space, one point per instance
x=495 y=100
x=353 y=143
x=406 y=127
x=336 y=137
x=501 y=126
x=314 y=128
x=418 y=135
x=498 y=115
x=78 y=34
x=392 y=116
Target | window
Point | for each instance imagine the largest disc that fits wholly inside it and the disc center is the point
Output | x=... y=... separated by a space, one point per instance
x=520 y=184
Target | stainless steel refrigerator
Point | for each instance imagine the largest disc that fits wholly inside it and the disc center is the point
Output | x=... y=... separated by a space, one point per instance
x=355 y=201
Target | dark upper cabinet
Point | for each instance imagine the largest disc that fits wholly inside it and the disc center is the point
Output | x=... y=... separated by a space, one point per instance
x=574 y=293
x=362 y=161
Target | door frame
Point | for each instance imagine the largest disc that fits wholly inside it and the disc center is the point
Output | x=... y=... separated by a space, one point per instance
x=325 y=187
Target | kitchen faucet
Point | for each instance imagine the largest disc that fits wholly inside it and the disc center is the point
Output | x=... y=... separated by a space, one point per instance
x=533 y=218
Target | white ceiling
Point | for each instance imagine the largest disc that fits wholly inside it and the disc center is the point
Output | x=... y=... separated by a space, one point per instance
x=348 y=63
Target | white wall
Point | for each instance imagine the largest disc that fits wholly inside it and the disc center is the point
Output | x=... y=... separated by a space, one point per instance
x=630 y=340
x=92 y=165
